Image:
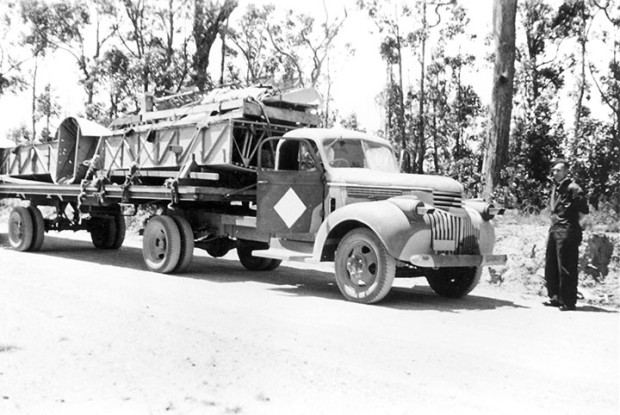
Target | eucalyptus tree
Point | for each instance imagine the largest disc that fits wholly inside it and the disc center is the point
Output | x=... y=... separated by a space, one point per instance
x=208 y=21
x=11 y=57
x=48 y=27
x=389 y=19
x=504 y=36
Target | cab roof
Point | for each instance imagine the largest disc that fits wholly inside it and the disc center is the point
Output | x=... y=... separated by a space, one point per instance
x=322 y=134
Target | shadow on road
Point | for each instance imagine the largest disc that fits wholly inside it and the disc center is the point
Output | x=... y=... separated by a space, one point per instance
x=287 y=280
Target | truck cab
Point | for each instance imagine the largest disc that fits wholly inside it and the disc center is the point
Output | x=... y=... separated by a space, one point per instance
x=341 y=192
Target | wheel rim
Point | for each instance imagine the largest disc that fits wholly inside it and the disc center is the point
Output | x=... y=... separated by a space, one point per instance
x=362 y=266
x=157 y=247
x=16 y=228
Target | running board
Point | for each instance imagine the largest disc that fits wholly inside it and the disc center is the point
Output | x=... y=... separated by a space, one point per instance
x=283 y=254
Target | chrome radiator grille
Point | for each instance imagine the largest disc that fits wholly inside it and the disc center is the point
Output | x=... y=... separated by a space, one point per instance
x=453 y=234
x=447 y=200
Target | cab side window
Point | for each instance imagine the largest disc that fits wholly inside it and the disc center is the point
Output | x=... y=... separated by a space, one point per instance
x=297 y=156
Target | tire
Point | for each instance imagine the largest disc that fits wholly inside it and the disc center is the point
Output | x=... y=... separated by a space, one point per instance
x=120 y=229
x=364 y=269
x=219 y=247
x=187 y=243
x=253 y=263
x=39 y=228
x=21 y=229
x=102 y=231
x=161 y=244
x=454 y=282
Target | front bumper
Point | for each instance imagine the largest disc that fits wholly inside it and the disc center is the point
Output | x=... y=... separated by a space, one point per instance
x=445 y=261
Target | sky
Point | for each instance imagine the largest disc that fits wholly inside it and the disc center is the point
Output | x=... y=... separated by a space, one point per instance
x=356 y=80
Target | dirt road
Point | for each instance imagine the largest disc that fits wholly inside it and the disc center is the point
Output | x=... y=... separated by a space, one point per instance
x=84 y=331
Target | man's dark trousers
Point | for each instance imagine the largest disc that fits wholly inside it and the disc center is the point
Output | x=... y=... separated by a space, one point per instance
x=561 y=266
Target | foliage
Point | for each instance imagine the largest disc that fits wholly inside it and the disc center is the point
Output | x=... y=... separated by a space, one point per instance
x=430 y=105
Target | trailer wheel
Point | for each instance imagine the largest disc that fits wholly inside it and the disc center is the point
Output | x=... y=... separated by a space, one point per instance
x=364 y=269
x=251 y=262
x=38 y=228
x=187 y=243
x=120 y=229
x=161 y=244
x=21 y=229
x=454 y=282
x=102 y=232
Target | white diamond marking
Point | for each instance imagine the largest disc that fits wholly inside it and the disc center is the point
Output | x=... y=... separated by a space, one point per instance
x=290 y=207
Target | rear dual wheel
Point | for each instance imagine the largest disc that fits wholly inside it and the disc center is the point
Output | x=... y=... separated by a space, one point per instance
x=167 y=244
x=26 y=229
x=254 y=263
x=107 y=232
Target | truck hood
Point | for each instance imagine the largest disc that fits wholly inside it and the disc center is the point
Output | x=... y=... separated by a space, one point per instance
x=366 y=177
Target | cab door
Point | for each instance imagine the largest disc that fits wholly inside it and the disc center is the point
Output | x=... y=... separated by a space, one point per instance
x=290 y=194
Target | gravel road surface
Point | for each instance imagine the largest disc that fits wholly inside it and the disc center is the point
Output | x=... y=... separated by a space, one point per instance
x=86 y=331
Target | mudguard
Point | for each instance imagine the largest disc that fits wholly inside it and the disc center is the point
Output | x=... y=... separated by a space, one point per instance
x=486 y=241
x=401 y=237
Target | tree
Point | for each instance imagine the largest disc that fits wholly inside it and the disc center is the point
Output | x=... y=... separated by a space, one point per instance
x=391 y=50
x=504 y=32
x=86 y=49
x=47 y=107
x=209 y=19
x=252 y=40
x=11 y=61
x=38 y=17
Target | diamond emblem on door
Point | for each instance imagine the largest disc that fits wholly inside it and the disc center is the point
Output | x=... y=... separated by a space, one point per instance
x=290 y=207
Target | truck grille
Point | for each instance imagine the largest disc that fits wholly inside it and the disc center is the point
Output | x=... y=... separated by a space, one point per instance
x=446 y=200
x=453 y=234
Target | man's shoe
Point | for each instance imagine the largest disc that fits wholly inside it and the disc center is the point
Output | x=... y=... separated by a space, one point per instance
x=552 y=303
x=565 y=307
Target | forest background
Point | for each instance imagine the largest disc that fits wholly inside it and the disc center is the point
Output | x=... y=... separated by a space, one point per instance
x=416 y=72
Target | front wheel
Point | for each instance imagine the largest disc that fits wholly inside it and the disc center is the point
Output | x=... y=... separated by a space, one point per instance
x=454 y=282
x=364 y=269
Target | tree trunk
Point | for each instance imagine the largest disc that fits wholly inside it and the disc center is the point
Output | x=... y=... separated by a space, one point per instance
x=421 y=145
x=34 y=97
x=582 y=78
x=504 y=14
x=401 y=95
x=223 y=51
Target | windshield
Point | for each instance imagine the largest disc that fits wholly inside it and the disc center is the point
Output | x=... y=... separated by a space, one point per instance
x=356 y=153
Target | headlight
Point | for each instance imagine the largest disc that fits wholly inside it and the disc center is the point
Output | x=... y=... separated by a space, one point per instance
x=486 y=210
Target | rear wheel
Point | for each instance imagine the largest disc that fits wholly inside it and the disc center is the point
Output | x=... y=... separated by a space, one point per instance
x=251 y=262
x=38 y=228
x=21 y=229
x=103 y=232
x=161 y=244
x=120 y=228
x=187 y=243
x=364 y=269
x=454 y=282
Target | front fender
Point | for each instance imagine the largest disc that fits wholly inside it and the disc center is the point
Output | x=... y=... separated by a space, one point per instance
x=400 y=236
x=486 y=242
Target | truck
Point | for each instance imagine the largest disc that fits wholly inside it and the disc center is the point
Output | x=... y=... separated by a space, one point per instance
x=250 y=170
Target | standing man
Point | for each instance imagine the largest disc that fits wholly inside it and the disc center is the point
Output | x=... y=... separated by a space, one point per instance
x=568 y=207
